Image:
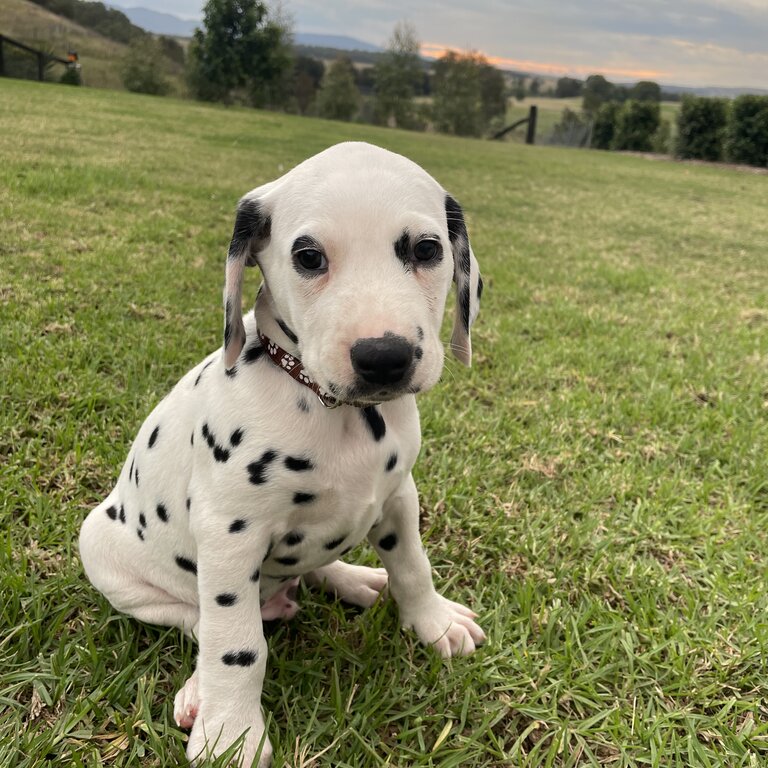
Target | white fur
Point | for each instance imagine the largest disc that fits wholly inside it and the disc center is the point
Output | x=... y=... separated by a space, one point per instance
x=221 y=459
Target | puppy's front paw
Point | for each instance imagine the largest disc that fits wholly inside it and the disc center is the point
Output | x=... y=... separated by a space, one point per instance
x=212 y=737
x=446 y=626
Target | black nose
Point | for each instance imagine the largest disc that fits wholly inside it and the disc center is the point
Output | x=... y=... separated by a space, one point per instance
x=384 y=360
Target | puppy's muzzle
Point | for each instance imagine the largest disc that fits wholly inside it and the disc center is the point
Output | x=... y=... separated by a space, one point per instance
x=386 y=360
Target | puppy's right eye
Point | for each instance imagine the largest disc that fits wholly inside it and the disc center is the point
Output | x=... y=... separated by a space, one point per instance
x=311 y=260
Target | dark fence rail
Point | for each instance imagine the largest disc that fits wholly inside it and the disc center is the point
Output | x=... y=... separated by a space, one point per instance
x=42 y=57
x=530 y=134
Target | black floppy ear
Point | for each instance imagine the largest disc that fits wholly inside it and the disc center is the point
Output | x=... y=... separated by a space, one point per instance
x=251 y=234
x=469 y=284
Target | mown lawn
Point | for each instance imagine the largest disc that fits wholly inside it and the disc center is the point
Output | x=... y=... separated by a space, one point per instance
x=595 y=485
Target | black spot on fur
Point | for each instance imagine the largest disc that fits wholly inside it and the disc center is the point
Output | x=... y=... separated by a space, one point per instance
x=375 y=422
x=294 y=538
x=236 y=437
x=237 y=525
x=303 y=498
x=303 y=405
x=403 y=248
x=334 y=542
x=257 y=469
x=140 y=533
x=136 y=476
x=162 y=512
x=112 y=512
x=455 y=219
x=391 y=462
x=389 y=542
x=269 y=550
x=130 y=471
x=240 y=658
x=255 y=575
x=464 y=306
x=288 y=332
x=186 y=564
x=189 y=503
x=252 y=229
x=231 y=372
x=192 y=439
x=253 y=353
x=298 y=464
x=420 y=333
x=121 y=515
x=153 y=437
x=219 y=453
x=225 y=599
x=479 y=288
x=287 y=560
x=202 y=371
x=142 y=520
x=418 y=353
x=344 y=551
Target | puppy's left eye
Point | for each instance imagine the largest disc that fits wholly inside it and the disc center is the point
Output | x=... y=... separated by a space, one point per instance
x=426 y=250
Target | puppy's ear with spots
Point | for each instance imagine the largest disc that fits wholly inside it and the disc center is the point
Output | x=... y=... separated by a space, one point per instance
x=251 y=235
x=469 y=284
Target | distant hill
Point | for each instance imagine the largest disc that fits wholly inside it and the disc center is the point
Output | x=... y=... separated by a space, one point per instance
x=159 y=23
x=339 y=42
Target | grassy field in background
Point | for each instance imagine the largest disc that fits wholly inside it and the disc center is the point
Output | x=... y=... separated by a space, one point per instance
x=550 y=113
x=101 y=59
x=595 y=486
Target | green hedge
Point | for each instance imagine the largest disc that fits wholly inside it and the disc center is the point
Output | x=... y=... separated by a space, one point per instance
x=746 y=139
x=701 y=125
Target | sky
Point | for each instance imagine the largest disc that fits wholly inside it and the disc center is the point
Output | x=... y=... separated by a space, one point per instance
x=674 y=42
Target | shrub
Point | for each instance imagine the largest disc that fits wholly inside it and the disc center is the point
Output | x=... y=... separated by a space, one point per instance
x=637 y=122
x=701 y=126
x=71 y=76
x=143 y=68
x=604 y=125
x=747 y=134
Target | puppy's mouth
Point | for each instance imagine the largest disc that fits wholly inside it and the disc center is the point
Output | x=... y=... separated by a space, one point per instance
x=365 y=394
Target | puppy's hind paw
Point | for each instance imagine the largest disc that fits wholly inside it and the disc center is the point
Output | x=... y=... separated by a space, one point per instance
x=187 y=703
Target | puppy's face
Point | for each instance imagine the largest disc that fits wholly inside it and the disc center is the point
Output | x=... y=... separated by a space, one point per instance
x=358 y=258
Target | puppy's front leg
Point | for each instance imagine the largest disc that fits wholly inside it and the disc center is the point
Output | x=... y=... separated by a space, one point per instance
x=439 y=622
x=233 y=652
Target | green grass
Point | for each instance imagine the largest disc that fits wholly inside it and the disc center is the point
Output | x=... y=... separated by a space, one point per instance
x=595 y=486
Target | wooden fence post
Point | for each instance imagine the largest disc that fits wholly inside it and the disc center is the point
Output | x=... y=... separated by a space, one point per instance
x=530 y=135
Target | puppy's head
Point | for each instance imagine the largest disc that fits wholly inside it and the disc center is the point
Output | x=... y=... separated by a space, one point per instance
x=358 y=247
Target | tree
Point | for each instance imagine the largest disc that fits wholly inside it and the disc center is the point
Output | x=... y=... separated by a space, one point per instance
x=604 y=125
x=462 y=104
x=568 y=88
x=241 y=48
x=308 y=74
x=396 y=77
x=596 y=90
x=339 y=98
x=645 y=90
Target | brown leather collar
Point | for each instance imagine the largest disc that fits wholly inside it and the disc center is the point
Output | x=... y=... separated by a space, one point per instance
x=295 y=369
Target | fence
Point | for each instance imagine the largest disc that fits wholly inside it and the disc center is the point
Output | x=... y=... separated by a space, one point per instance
x=43 y=58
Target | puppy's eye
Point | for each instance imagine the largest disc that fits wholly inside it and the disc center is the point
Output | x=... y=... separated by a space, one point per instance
x=311 y=260
x=426 y=250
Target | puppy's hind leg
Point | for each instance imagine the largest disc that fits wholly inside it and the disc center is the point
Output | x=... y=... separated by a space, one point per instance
x=355 y=584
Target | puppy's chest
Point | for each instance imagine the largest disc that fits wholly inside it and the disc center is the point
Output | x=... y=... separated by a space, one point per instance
x=316 y=487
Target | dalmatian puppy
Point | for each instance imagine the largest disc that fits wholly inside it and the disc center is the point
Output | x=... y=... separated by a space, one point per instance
x=281 y=451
